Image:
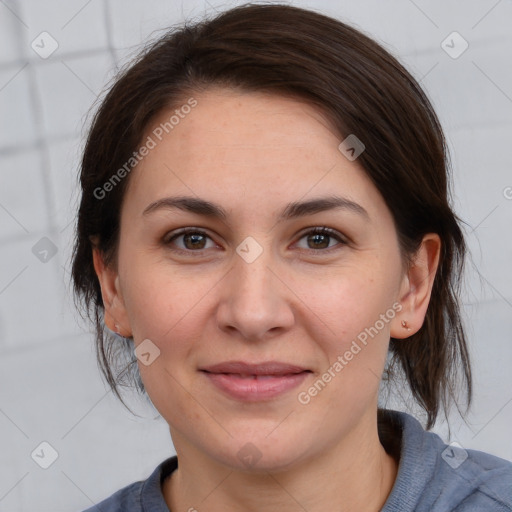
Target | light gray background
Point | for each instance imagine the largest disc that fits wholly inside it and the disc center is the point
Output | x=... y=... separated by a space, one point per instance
x=50 y=388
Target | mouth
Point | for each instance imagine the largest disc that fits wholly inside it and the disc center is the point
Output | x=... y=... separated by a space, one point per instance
x=255 y=382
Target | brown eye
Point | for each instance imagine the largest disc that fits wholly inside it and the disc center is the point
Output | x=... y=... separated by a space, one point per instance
x=321 y=238
x=190 y=240
x=318 y=241
x=194 y=241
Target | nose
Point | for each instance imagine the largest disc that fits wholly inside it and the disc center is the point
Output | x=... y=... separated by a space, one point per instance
x=255 y=301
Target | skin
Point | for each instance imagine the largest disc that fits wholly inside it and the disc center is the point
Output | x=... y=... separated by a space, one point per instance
x=252 y=154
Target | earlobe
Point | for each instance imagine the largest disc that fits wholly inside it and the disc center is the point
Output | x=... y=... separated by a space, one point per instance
x=416 y=288
x=114 y=311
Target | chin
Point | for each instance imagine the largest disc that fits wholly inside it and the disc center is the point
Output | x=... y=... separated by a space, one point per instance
x=259 y=453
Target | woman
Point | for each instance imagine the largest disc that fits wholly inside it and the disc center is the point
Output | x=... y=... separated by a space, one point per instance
x=264 y=235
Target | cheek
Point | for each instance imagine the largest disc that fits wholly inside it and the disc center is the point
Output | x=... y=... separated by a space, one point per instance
x=165 y=309
x=158 y=299
x=357 y=312
x=355 y=347
x=347 y=303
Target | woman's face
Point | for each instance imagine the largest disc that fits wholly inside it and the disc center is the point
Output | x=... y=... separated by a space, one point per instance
x=255 y=285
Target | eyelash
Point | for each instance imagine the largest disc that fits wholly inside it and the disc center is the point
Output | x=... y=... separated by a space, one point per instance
x=315 y=231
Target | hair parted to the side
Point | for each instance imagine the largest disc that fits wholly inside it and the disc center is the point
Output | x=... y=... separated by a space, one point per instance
x=361 y=89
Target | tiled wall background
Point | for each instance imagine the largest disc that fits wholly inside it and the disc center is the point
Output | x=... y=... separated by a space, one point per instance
x=50 y=388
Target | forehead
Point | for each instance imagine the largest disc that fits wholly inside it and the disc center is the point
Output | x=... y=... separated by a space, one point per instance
x=246 y=149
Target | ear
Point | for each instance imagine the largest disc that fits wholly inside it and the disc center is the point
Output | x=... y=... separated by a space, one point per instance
x=116 y=318
x=416 y=288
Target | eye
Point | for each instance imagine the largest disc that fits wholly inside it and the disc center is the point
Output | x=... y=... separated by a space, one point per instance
x=195 y=240
x=191 y=240
x=320 y=238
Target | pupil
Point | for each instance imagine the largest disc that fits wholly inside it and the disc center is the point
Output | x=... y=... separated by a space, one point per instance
x=194 y=239
x=319 y=237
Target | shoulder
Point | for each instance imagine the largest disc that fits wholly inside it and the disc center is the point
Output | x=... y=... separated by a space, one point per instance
x=475 y=480
x=126 y=499
x=142 y=496
x=434 y=476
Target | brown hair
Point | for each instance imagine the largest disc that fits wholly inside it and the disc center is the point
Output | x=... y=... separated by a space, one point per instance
x=362 y=90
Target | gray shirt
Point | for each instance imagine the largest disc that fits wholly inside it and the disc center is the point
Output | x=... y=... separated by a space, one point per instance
x=432 y=476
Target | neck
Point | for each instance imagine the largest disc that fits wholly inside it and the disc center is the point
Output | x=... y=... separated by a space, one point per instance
x=352 y=475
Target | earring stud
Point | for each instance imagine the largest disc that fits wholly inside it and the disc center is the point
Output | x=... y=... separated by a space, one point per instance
x=405 y=326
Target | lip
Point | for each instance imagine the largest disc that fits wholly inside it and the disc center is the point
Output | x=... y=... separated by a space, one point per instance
x=255 y=382
x=266 y=368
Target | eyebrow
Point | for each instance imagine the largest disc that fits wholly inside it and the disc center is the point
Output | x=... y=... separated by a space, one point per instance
x=291 y=211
